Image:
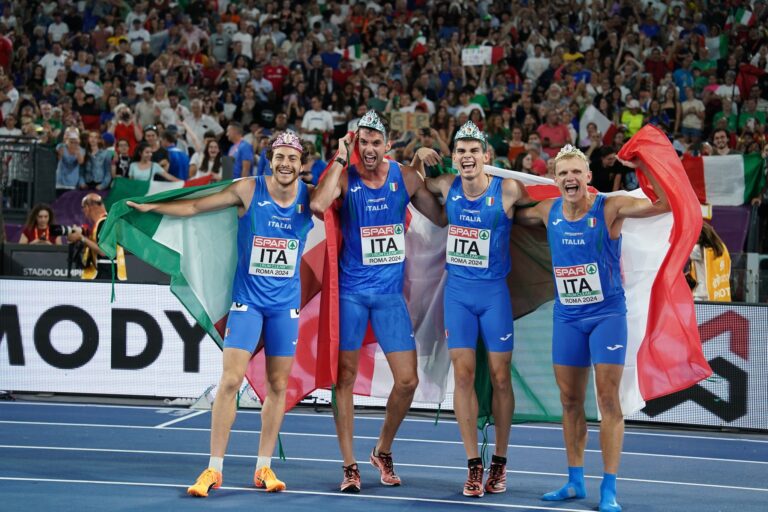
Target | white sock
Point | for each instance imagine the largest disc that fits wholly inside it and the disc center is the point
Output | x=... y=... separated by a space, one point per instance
x=263 y=462
x=216 y=463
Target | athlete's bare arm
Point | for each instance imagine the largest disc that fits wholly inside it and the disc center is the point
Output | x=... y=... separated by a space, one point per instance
x=534 y=215
x=334 y=183
x=424 y=200
x=237 y=194
x=513 y=194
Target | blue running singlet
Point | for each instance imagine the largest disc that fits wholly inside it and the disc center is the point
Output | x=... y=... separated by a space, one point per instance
x=270 y=242
x=478 y=233
x=585 y=263
x=373 y=226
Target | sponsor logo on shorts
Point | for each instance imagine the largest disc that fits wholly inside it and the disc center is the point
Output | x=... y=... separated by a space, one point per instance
x=295 y=313
x=506 y=337
x=446 y=334
x=226 y=332
x=615 y=347
x=295 y=342
x=239 y=306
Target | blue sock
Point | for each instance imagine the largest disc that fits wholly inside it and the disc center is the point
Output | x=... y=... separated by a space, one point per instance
x=573 y=489
x=608 y=494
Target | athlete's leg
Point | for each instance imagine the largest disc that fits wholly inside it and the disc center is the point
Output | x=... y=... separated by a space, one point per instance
x=344 y=414
x=464 y=398
x=503 y=405
x=273 y=410
x=235 y=362
x=353 y=316
x=607 y=379
x=403 y=366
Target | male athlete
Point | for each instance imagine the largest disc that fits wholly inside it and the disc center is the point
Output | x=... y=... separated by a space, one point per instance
x=274 y=219
x=590 y=315
x=480 y=209
x=374 y=197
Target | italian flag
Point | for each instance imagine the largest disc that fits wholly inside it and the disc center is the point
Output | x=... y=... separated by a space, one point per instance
x=744 y=17
x=353 y=52
x=123 y=188
x=730 y=180
x=717 y=46
x=664 y=353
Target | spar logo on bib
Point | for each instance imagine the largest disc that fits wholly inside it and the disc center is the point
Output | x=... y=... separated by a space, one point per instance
x=382 y=245
x=578 y=284
x=468 y=247
x=273 y=257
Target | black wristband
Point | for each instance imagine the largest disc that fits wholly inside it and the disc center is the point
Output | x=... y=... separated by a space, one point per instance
x=341 y=161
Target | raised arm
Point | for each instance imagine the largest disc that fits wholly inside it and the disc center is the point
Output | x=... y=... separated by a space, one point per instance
x=234 y=195
x=624 y=207
x=330 y=186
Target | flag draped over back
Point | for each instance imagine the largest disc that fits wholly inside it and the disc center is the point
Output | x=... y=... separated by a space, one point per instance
x=199 y=253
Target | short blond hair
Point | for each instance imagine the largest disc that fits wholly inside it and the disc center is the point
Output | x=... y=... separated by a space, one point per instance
x=569 y=151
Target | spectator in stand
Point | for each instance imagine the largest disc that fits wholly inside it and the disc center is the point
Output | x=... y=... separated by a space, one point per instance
x=198 y=123
x=720 y=143
x=240 y=151
x=523 y=163
x=71 y=157
x=554 y=134
x=207 y=162
x=37 y=228
x=316 y=123
x=9 y=128
x=124 y=126
x=178 y=160
x=693 y=111
x=96 y=170
x=632 y=118
x=145 y=108
x=145 y=169
x=122 y=159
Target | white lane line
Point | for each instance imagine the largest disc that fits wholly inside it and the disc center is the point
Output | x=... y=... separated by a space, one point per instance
x=403 y=464
x=376 y=418
x=463 y=503
x=180 y=419
x=374 y=438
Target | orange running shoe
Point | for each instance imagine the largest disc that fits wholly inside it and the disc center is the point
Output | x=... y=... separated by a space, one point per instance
x=208 y=479
x=497 y=478
x=383 y=462
x=351 y=482
x=265 y=478
x=473 y=487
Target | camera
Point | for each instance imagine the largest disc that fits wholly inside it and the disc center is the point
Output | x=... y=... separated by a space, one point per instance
x=59 y=230
x=125 y=116
x=426 y=132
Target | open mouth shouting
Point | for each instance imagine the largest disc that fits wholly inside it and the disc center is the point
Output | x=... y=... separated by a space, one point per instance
x=370 y=159
x=571 y=189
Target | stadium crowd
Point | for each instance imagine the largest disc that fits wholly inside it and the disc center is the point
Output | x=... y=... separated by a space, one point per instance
x=162 y=90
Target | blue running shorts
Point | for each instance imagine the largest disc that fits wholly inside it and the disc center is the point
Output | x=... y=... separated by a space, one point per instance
x=484 y=307
x=280 y=329
x=596 y=340
x=389 y=318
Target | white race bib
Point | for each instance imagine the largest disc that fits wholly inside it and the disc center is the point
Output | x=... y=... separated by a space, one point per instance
x=468 y=247
x=382 y=245
x=273 y=257
x=578 y=285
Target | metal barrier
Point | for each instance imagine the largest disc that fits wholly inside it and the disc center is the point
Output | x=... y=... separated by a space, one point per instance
x=27 y=174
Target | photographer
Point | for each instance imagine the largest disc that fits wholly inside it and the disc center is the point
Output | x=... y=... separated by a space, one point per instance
x=123 y=126
x=95 y=264
x=39 y=228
